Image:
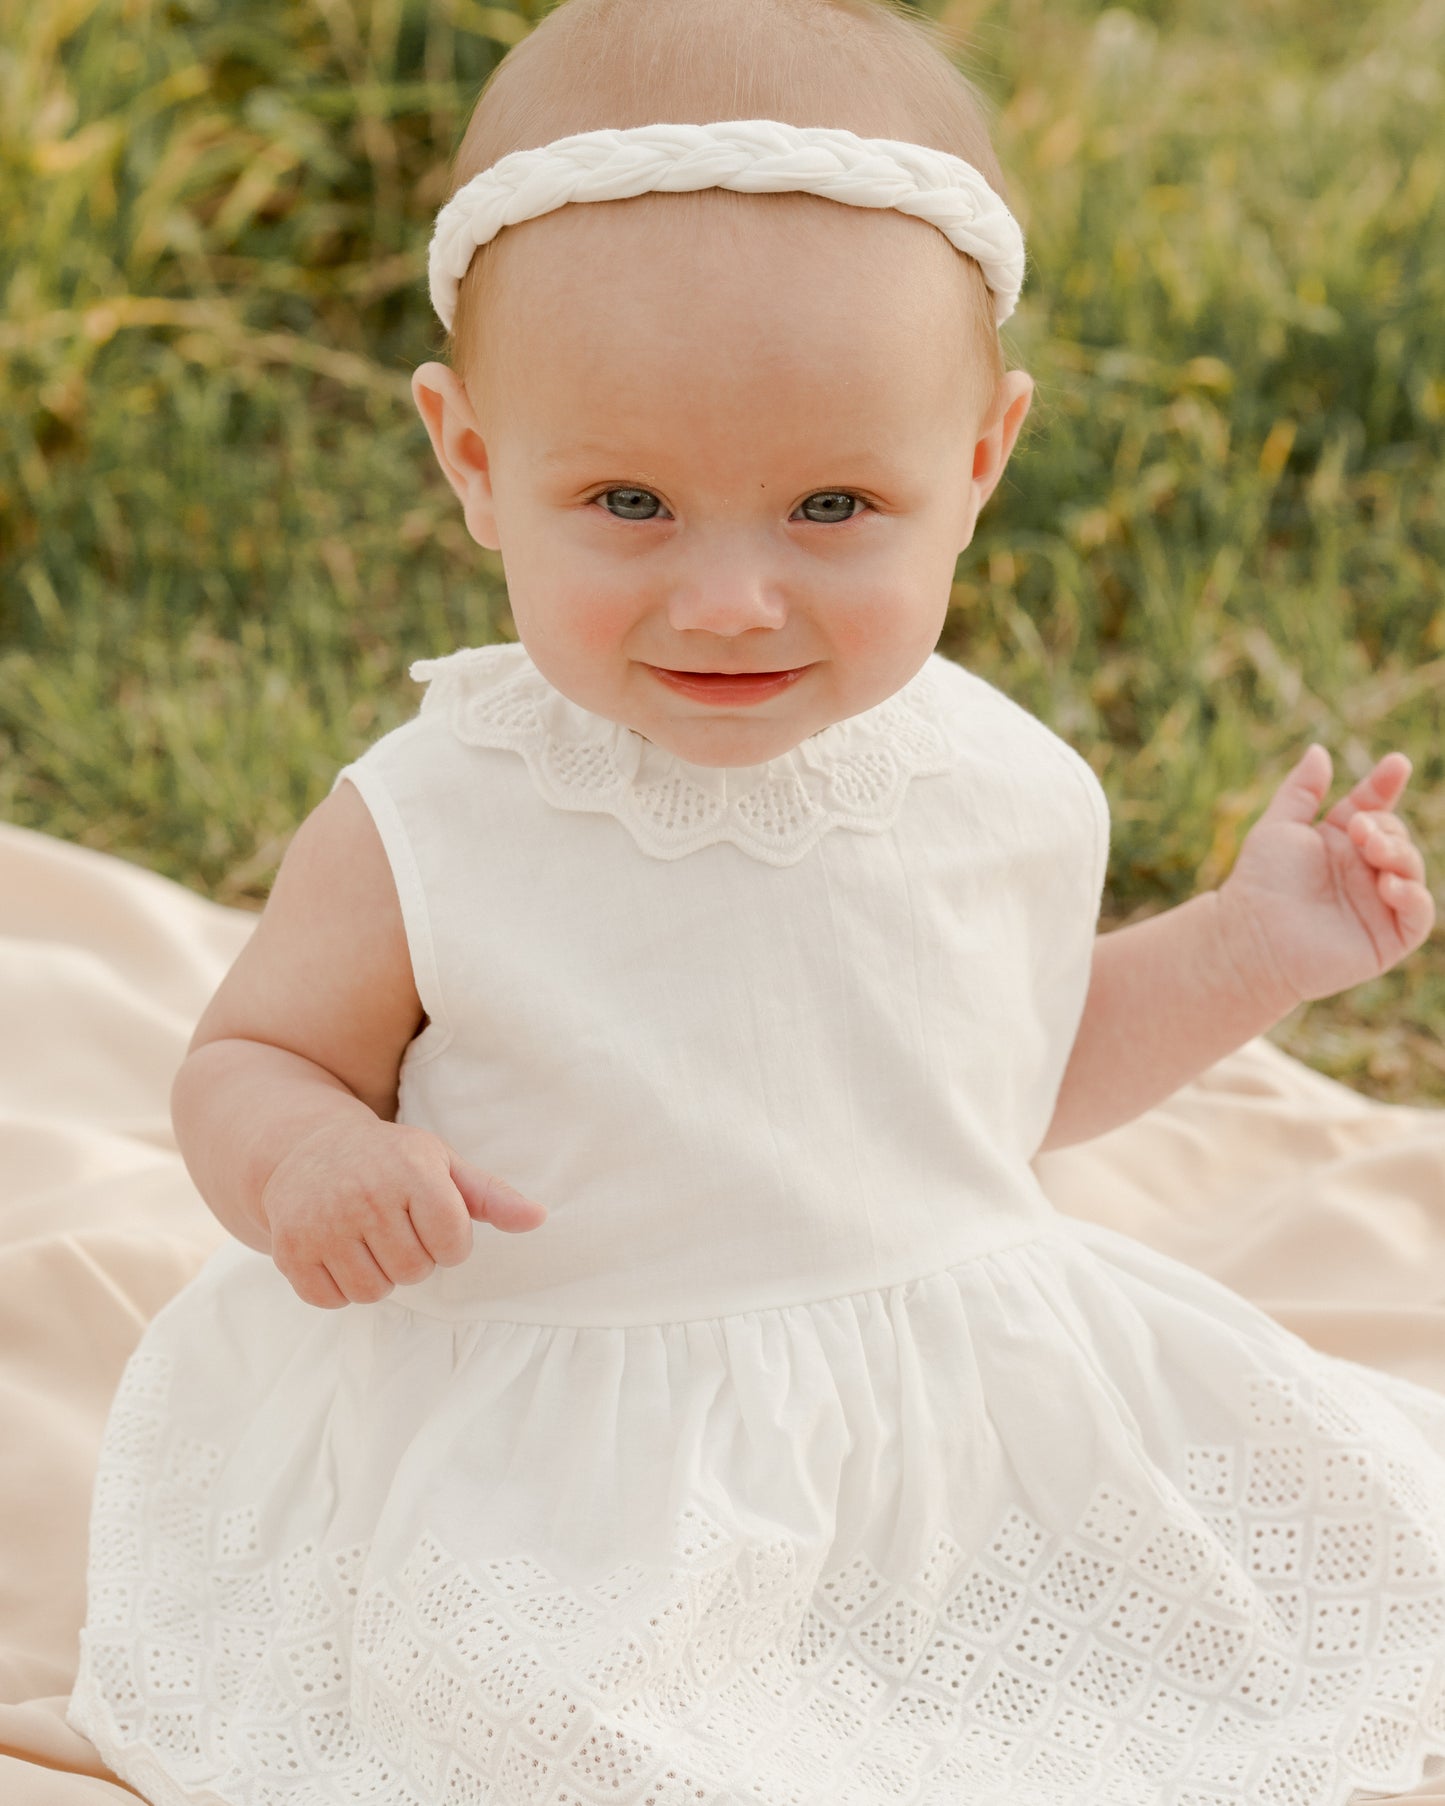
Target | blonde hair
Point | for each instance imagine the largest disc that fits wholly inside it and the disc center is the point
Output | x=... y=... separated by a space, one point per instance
x=875 y=67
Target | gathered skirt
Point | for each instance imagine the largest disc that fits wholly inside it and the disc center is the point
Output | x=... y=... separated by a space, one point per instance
x=1066 y=1524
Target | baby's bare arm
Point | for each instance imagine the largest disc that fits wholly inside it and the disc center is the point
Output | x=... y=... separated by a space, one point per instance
x=1310 y=908
x=1168 y=997
x=308 y=1027
x=285 y=1105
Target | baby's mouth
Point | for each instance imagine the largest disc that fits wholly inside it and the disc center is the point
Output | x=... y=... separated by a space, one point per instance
x=729 y=686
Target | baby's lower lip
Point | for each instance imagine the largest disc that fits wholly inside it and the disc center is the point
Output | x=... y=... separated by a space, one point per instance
x=726 y=686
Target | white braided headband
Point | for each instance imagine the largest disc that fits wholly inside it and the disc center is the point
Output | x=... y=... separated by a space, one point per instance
x=756 y=156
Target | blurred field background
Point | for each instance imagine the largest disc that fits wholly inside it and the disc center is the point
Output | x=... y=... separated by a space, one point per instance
x=223 y=536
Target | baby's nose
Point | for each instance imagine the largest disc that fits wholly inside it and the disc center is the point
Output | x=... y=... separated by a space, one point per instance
x=725 y=599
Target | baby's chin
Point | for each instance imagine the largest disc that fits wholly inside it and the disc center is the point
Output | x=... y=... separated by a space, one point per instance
x=705 y=734
x=739 y=763
x=725 y=744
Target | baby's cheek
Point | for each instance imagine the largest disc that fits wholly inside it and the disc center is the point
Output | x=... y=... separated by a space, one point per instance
x=599 y=620
x=883 y=627
x=565 y=606
x=581 y=635
x=609 y=613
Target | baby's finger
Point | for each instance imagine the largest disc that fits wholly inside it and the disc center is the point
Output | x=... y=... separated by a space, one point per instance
x=1387 y=846
x=1377 y=790
x=492 y=1200
x=397 y=1248
x=1413 y=904
x=443 y=1227
x=316 y=1286
x=1383 y=819
x=357 y=1274
x=1370 y=822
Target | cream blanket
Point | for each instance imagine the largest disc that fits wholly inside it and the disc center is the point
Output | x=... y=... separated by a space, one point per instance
x=1321 y=1206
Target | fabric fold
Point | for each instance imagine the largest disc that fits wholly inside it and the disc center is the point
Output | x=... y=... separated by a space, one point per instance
x=800 y=1544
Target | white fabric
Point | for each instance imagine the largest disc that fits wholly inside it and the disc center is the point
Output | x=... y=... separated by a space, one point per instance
x=852 y=774
x=755 y=156
x=806 y=1455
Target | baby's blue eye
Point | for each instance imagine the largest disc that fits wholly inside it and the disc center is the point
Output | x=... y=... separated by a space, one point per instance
x=832 y=495
x=633 y=499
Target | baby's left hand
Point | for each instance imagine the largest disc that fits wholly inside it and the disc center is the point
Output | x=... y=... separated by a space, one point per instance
x=1334 y=902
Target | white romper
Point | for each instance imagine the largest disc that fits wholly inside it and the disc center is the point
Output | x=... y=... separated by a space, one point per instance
x=806 y=1455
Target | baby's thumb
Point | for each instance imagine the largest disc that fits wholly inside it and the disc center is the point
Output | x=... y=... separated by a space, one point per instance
x=492 y=1200
x=1299 y=797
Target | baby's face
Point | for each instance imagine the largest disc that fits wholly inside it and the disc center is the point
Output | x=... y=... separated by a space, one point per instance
x=716 y=443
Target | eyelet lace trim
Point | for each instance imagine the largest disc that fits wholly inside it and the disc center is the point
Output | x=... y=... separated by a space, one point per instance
x=853 y=774
x=1270 y=1633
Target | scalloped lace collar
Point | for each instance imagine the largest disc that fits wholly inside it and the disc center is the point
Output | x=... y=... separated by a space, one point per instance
x=853 y=774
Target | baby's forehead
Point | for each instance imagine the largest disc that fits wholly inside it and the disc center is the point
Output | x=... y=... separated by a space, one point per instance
x=800 y=235
x=677 y=288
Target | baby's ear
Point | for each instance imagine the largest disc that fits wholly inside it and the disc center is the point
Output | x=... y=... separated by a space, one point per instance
x=456 y=438
x=997 y=434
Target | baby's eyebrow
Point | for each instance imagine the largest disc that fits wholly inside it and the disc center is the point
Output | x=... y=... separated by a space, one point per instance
x=566 y=454
x=563 y=454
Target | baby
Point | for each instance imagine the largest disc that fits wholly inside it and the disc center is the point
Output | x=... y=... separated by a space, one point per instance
x=645 y=393
x=735 y=954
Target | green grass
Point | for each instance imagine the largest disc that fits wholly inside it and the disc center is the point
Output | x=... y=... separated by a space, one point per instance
x=222 y=534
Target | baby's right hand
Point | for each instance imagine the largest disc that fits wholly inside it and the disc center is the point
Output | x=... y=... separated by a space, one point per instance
x=356 y=1208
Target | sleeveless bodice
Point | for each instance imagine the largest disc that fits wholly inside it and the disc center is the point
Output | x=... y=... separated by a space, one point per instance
x=752 y=1035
